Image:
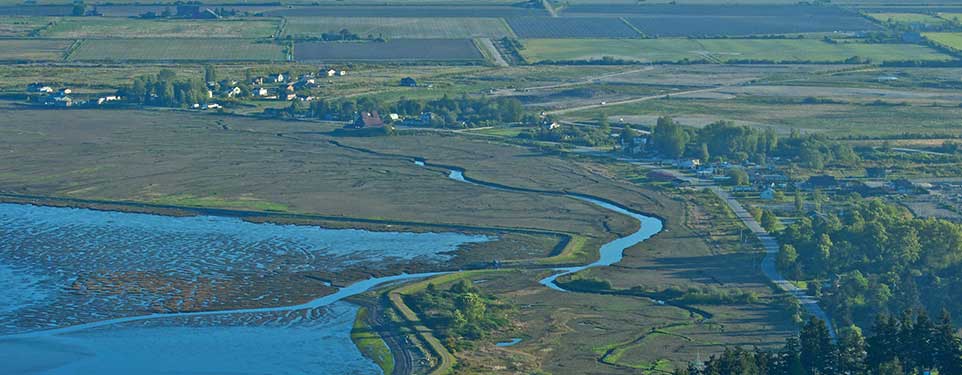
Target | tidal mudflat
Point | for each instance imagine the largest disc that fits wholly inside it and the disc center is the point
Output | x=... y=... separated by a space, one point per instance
x=63 y=268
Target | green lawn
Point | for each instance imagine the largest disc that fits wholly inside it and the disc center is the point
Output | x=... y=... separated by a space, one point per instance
x=99 y=27
x=721 y=50
x=176 y=50
x=400 y=28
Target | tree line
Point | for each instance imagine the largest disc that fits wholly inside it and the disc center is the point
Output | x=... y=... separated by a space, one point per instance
x=460 y=313
x=909 y=344
x=725 y=141
x=877 y=257
x=444 y=112
x=165 y=90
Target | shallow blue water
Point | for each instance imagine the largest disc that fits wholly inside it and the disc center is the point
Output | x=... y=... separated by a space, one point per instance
x=55 y=320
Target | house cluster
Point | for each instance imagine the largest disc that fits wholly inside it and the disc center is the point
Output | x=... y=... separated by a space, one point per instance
x=46 y=95
x=283 y=86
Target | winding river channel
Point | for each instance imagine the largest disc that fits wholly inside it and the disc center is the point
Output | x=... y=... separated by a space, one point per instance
x=281 y=339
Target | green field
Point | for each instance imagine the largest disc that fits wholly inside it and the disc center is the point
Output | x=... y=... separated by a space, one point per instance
x=950 y=40
x=407 y=28
x=98 y=27
x=908 y=18
x=176 y=50
x=721 y=50
x=32 y=49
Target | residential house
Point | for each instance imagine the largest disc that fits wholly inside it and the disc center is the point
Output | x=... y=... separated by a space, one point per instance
x=635 y=145
x=233 y=92
x=367 y=120
x=109 y=98
x=39 y=87
x=260 y=91
x=331 y=72
x=408 y=82
x=689 y=163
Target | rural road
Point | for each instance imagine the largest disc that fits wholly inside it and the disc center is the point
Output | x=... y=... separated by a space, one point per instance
x=495 y=54
x=771 y=253
x=629 y=101
x=595 y=79
x=809 y=303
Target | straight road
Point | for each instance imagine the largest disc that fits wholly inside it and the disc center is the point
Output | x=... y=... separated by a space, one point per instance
x=629 y=101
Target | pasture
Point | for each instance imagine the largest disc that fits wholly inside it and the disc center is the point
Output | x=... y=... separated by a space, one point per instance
x=189 y=49
x=949 y=40
x=400 y=27
x=400 y=50
x=103 y=28
x=33 y=49
x=722 y=50
x=574 y=27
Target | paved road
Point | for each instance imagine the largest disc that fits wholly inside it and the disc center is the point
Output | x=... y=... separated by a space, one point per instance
x=771 y=246
x=771 y=253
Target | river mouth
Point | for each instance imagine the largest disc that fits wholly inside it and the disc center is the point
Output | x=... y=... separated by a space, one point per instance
x=78 y=266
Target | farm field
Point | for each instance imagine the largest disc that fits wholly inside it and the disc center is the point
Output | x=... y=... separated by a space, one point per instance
x=721 y=50
x=189 y=49
x=89 y=27
x=13 y=26
x=830 y=119
x=574 y=27
x=704 y=8
x=400 y=27
x=949 y=40
x=708 y=26
x=33 y=49
x=392 y=50
x=406 y=11
x=909 y=18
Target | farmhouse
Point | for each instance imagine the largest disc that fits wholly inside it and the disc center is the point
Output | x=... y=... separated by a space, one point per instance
x=367 y=120
x=408 y=82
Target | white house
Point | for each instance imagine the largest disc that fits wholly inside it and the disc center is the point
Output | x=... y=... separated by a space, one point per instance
x=235 y=91
x=331 y=73
x=260 y=91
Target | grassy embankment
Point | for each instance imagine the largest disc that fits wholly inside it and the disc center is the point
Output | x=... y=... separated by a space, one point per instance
x=370 y=344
